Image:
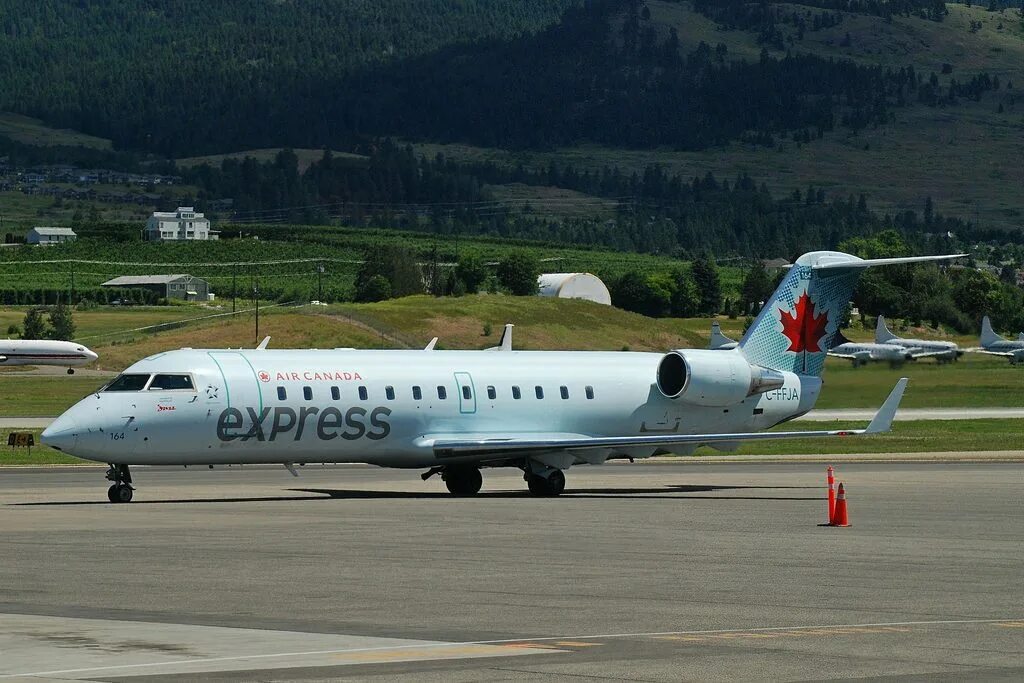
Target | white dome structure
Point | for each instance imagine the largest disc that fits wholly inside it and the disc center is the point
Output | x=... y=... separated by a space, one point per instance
x=574 y=286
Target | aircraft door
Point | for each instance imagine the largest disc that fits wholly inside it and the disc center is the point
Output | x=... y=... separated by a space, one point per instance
x=242 y=387
x=467 y=393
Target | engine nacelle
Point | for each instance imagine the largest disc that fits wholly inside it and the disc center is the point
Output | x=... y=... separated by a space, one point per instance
x=713 y=378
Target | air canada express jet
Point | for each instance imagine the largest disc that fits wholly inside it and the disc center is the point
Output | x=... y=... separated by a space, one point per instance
x=455 y=412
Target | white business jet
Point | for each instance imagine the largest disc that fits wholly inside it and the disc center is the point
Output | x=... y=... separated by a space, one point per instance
x=44 y=352
x=455 y=412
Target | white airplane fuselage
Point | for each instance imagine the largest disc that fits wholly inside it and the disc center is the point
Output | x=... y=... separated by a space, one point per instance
x=44 y=352
x=274 y=406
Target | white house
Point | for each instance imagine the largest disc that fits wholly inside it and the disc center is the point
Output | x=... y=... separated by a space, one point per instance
x=574 y=286
x=47 y=235
x=183 y=224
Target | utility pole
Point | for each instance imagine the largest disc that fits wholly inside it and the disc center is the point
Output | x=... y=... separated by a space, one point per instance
x=256 y=299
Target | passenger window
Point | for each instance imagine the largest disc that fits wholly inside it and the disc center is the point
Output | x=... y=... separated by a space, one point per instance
x=442 y=393
x=307 y=393
x=539 y=390
x=336 y=393
x=516 y=394
x=417 y=395
x=390 y=393
x=590 y=393
x=282 y=395
x=491 y=393
x=128 y=383
x=564 y=391
x=467 y=393
x=171 y=383
x=363 y=395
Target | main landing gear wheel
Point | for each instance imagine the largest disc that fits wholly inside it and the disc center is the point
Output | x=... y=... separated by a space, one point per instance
x=551 y=485
x=121 y=491
x=463 y=481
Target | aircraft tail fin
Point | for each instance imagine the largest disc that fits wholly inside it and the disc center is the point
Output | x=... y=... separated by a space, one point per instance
x=988 y=335
x=799 y=323
x=882 y=333
x=718 y=340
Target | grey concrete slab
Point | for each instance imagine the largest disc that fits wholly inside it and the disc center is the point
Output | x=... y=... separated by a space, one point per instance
x=671 y=571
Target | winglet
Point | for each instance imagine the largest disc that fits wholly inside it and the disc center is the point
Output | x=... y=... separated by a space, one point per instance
x=263 y=344
x=431 y=345
x=882 y=421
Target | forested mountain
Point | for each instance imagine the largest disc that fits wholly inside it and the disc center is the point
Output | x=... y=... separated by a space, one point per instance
x=201 y=75
x=193 y=77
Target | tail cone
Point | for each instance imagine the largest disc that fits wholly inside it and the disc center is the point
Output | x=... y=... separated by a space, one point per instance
x=840 y=518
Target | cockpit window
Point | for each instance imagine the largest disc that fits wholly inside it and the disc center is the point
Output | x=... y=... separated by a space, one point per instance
x=171 y=382
x=128 y=383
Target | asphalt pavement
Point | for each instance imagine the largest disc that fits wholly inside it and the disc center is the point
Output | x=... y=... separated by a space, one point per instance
x=654 y=571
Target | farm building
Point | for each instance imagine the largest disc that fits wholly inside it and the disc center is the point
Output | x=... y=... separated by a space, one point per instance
x=45 y=235
x=167 y=286
x=574 y=286
x=183 y=224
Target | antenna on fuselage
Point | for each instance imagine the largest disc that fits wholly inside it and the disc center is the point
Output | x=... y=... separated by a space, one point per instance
x=263 y=344
x=430 y=346
x=505 y=343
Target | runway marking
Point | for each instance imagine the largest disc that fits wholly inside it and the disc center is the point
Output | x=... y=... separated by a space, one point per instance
x=1012 y=624
x=553 y=640
x=798 y=632
x=574 y=643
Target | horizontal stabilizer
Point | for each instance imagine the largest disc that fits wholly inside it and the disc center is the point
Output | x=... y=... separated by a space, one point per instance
x=837 y=260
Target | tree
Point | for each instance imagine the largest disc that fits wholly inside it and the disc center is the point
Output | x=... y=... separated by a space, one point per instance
x=374 y=288
x=647 y=295
x=709 y=286
x=757 y=287
x=62 y=323
x=685 y=298
x=396 y=265
x=518 y=273
x=472 y=271
x=34 y=326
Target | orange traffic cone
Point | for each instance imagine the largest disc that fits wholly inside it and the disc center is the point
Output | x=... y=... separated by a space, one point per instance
x=831 y=495
x=840 y=518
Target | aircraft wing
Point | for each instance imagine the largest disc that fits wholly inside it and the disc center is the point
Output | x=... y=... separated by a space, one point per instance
x=484 y=445
x=916 y=353
x=1004 y=354
x=859 y=355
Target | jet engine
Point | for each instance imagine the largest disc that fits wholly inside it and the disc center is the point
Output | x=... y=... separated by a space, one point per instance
x=713 y=378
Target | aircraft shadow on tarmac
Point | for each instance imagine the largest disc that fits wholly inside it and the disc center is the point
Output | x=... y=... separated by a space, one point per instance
x=666 y=492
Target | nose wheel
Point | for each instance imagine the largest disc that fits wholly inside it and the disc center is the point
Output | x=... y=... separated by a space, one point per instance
x=121 y=490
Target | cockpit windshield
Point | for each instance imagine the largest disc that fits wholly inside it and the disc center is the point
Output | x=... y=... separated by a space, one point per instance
x=171 y=382
x=128 y=383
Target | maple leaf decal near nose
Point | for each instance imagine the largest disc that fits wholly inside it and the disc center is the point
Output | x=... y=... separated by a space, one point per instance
x=803 y=328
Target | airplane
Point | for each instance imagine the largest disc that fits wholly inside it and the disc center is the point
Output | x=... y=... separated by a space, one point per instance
x=454 y=412
x=719 y=342
x=994 y=345
x=942 y=351
x=44 y=352
x=862 y=353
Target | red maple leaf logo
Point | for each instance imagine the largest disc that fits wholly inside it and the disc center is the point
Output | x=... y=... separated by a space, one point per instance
x=264 y=376
x=803 y=328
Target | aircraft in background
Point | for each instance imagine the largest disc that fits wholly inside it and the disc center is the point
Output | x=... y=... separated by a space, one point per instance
x=719 y=342
x=994 y=345
x=455 y=412
x=942 y=351
x=44 y=352
x=862 y=353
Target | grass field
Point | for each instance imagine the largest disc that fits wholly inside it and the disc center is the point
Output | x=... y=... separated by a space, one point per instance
x=906 y=437
x=31 y=131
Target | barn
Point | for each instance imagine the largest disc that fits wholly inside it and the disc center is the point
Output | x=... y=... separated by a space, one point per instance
x=574 y=286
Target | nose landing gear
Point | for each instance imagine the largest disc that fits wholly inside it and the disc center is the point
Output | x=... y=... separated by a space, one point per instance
x=121 y=490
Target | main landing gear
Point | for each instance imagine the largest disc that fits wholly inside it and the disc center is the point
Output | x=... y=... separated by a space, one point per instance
x=121 y=490
x=463 y=480
x=551 y=483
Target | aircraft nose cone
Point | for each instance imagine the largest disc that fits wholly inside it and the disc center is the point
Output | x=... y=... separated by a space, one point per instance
x=62 y=433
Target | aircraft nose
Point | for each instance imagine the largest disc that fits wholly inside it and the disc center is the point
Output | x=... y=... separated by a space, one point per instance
x=62 y=433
